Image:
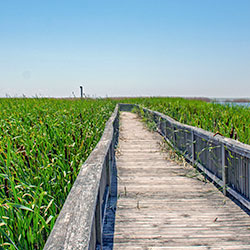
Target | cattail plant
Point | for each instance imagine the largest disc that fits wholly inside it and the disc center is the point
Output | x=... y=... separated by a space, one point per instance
x=43 y=143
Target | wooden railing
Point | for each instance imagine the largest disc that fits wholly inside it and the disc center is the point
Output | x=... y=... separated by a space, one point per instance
x=80 y=222
x=225 y=161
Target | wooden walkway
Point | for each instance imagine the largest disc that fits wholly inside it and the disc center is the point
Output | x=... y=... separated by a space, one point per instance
x=164 y=205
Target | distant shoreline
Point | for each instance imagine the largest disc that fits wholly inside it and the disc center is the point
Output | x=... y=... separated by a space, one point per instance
x=238 y=100
x=205 y=99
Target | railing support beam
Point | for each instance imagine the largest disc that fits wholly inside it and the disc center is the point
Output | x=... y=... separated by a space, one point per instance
x=193 y=147
x=224 y=169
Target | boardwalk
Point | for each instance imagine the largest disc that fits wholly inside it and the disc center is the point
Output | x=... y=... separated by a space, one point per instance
x=163 y=205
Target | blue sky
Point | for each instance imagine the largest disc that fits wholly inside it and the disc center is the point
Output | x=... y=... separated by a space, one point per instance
x=125 y=48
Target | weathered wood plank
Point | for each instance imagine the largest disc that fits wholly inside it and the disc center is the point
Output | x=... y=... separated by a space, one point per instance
x=162 y=206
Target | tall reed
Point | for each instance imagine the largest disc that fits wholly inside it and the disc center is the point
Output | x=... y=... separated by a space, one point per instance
x=43 y=143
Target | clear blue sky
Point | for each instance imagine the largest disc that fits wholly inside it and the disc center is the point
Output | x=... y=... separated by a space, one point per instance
x=125 y=48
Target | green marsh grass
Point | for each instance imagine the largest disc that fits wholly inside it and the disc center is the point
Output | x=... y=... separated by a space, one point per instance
x=43 y=143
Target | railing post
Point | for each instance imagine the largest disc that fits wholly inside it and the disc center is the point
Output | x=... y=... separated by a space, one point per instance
x=98 y=221
x=109 y=167
x=193 y=147
x=174 y=136
x=224 y=170
x=163 y=127
x=112 y=152
x=248 y=180
x=158 y=123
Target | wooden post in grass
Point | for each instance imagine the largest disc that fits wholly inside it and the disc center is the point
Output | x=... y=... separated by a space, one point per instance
x=81 y=90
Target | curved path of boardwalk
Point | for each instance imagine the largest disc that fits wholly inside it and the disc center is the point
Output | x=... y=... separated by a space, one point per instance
x=163 y=204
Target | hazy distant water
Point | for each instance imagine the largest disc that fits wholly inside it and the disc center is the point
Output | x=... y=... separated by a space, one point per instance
x=247 y=104
x=244 y=104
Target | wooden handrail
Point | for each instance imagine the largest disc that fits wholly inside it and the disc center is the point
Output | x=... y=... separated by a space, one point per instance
x=80 y=222
x=224 y=160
